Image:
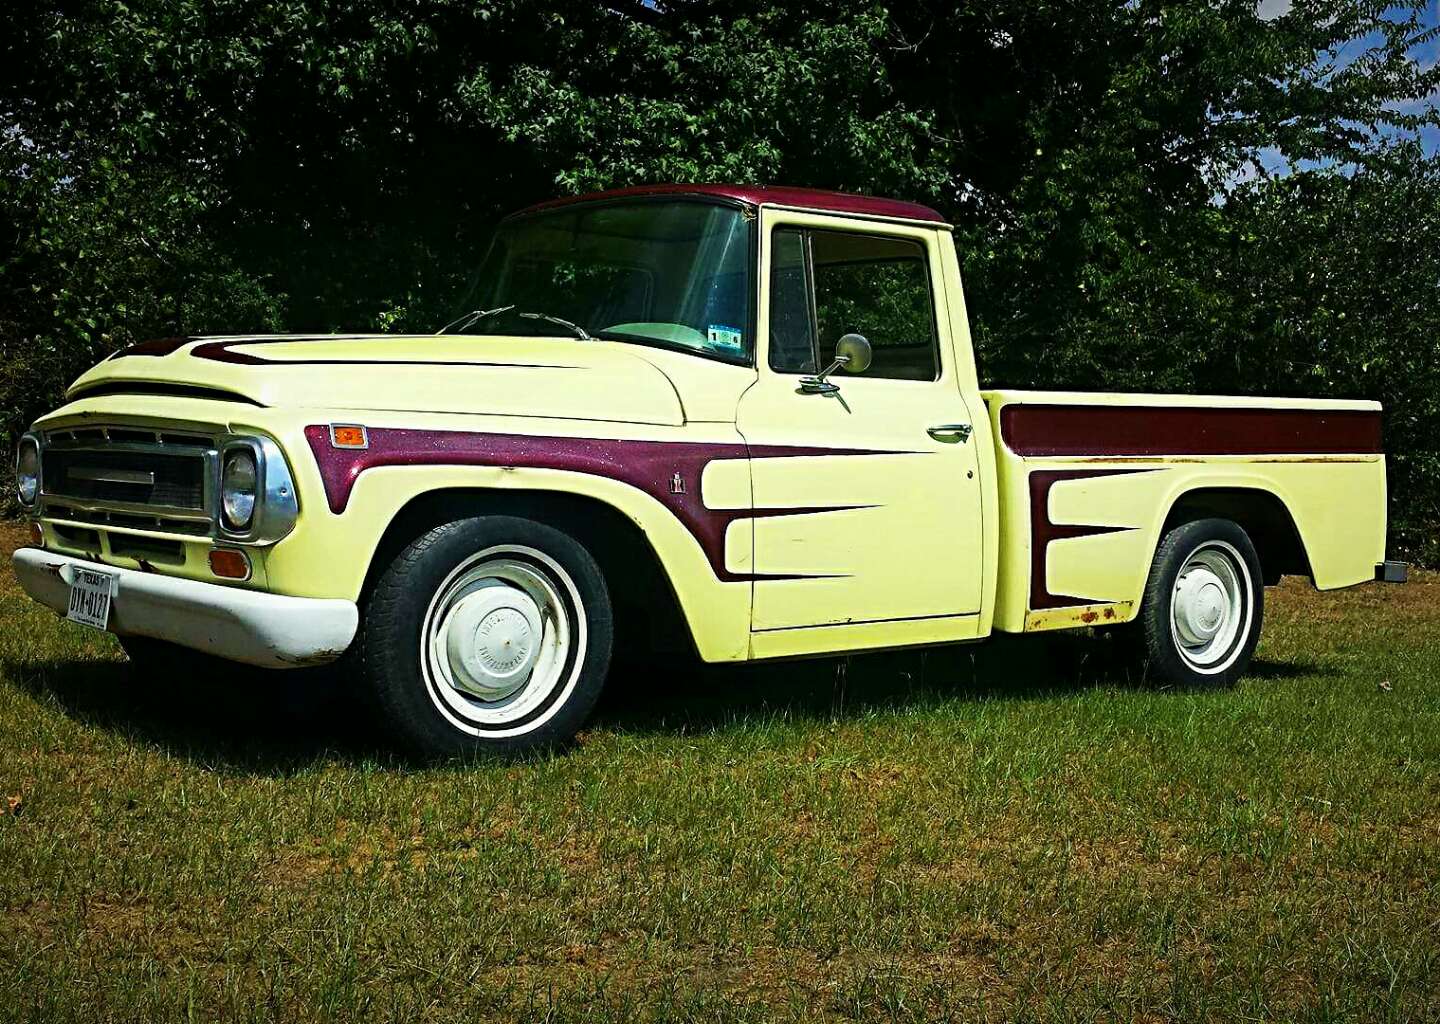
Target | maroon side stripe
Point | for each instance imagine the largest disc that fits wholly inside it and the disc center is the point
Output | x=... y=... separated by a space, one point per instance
x=224 y=352
x=1043 y=531
x=651 y=466
x=1037 y=430
x=153 y=347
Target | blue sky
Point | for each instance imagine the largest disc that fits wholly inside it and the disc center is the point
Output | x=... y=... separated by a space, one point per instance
x=1426 y=54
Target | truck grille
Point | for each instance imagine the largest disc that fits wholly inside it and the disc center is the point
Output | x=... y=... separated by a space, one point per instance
x=136 y=478
x=144 y=479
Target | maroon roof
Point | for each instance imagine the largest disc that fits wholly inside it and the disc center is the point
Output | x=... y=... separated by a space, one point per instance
x=810 y=198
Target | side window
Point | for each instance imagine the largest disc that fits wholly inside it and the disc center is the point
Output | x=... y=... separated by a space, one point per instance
x=792 y=321
x=878 y=287
x=824 y=284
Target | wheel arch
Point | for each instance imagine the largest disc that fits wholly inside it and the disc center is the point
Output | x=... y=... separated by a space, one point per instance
x=644 y=598
x=1261 y=513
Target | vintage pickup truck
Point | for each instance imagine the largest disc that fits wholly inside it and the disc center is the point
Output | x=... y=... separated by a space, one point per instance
x=744 y=417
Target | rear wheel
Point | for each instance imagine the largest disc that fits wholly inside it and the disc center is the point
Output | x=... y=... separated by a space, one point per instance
x=487 y=634
x=1203 y=605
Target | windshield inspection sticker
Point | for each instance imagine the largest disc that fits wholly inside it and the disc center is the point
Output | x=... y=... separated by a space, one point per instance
x=720 y=336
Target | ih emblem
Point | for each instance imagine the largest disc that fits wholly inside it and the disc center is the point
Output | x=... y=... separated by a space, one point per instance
x=677 y=484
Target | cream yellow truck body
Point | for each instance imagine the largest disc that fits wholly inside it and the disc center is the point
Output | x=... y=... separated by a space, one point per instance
x=905 y=506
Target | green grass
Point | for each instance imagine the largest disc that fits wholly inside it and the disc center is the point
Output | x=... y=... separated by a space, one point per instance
x=1007 y=832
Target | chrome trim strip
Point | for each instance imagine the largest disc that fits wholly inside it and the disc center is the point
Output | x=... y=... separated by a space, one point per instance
x=276 y=504
x=112 y=476
x=130 y=508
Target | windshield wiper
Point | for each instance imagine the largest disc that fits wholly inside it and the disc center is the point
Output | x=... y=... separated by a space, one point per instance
x=476 y=315
x=472 y=317
x=580 y=332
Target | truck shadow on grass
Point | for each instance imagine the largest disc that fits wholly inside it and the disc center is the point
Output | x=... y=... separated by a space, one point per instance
x=273 y=723
x=266 y=723
x=645 y=699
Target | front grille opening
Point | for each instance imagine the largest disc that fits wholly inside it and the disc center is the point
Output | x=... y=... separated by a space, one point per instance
x=134 y=522
x=77 y=537
x=141 y=478
x=184 y=440
x=149 y=478
x=161 y=524
x=131 y=435
x=120 y=436
x=147 y=549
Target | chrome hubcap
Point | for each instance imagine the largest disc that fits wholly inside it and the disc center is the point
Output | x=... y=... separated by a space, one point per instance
x=1210 y=606
x=1201 y=605
x=503 y=640
x=492 y=638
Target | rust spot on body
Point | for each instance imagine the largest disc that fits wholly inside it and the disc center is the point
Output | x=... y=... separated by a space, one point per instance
x=321 y=657
x=1077 y=617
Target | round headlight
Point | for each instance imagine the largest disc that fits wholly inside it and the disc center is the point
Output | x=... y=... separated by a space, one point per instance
x=27 y=471
x=237 y=488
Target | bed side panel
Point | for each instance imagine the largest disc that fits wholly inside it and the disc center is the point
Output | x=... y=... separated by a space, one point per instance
x=1087 y=482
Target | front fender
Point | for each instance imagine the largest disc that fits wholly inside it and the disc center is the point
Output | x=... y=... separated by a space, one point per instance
x=329 y=553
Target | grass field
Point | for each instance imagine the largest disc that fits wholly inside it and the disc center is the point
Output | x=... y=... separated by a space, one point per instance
x=1006 y=832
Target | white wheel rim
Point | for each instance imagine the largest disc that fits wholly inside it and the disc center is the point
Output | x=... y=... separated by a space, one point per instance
x=1211 y=606
x=503 y=641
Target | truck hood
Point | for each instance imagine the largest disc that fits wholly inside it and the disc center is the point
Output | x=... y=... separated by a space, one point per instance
x=547 y=377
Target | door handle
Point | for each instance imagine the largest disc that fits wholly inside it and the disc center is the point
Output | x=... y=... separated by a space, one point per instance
x=951 y=433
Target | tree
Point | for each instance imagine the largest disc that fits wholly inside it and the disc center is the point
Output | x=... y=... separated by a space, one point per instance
x=318 y=165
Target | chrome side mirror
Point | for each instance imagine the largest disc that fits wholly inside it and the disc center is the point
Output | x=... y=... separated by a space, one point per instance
x=852 y=354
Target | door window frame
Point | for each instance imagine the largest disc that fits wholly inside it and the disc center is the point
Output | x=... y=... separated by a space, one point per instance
x=773 y=220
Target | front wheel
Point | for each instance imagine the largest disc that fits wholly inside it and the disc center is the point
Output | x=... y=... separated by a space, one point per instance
x=487 y=634
x=1203 y=605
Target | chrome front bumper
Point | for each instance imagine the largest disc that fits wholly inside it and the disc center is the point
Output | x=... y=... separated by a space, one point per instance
x=267 y=630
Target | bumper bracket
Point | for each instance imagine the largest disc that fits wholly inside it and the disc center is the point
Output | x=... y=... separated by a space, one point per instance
x=1392 y=572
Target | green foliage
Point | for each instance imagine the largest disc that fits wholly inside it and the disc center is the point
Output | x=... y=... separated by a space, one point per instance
x=889 y=302
x=181 y=165
x=1334 y=289
x=101 y=261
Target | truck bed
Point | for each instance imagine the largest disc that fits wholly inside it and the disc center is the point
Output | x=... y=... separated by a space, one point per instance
x=1088 y=482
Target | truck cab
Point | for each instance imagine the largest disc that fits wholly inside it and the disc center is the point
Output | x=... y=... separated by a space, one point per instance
x=746 y=417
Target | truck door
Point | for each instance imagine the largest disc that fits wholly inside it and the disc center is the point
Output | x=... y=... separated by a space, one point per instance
x=867 y=499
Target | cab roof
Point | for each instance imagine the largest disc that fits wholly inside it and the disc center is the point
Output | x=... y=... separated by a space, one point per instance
x=756 y=195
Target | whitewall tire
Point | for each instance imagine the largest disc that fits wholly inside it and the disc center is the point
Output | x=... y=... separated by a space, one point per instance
x=1203 y=605
x=491 y=633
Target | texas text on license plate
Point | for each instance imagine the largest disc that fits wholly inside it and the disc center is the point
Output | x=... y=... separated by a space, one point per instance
x=90 y=594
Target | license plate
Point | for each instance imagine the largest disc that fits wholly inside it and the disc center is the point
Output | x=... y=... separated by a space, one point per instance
x=90 y=595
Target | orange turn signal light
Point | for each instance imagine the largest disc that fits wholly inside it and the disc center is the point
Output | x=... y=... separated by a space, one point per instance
x=227 y=563
x=37 y=535
x=348 y=435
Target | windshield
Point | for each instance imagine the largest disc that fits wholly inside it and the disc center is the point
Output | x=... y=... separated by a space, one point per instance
x=671 y=274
